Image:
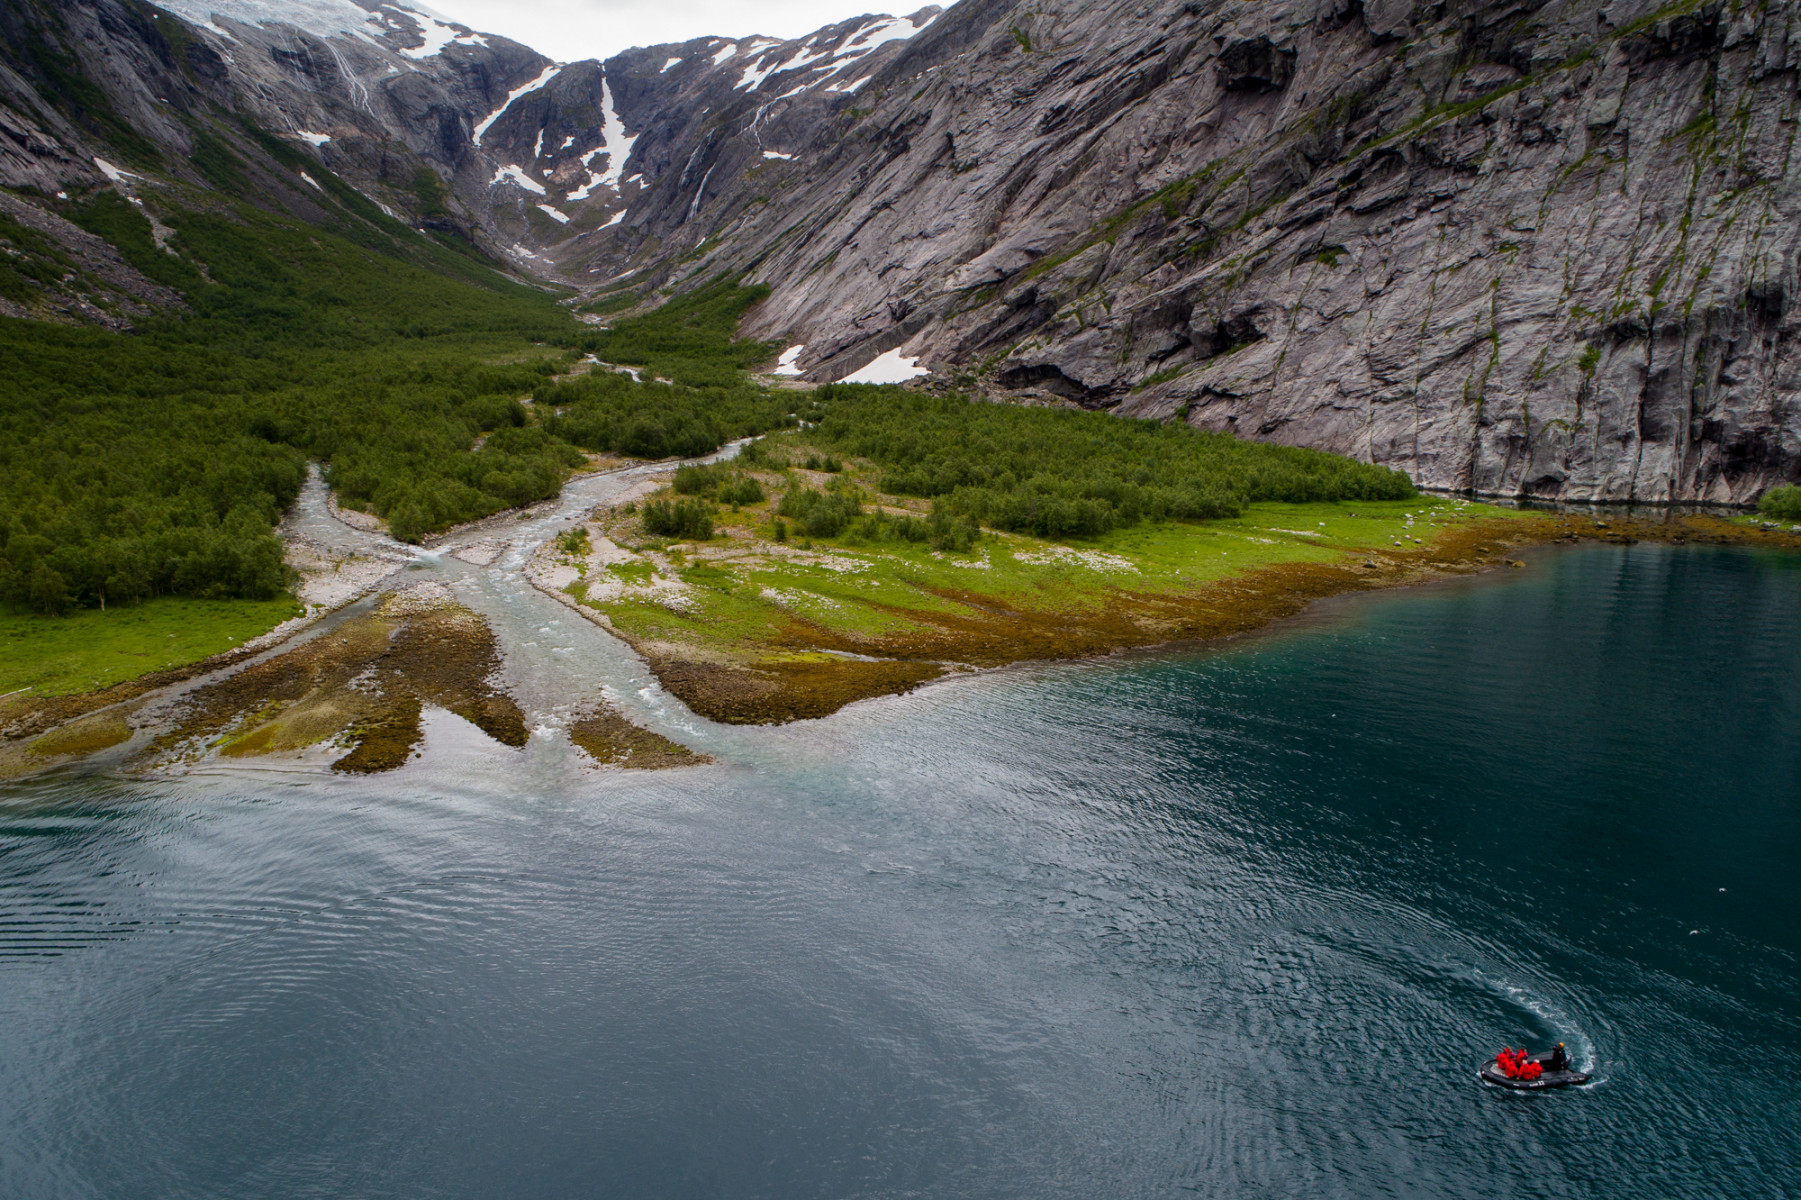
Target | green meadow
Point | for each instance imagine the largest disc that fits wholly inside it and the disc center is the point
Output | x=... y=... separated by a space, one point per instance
x=736 y=595
x=89 y=649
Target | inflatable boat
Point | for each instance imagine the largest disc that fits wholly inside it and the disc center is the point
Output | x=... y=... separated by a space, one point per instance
x=1491 y=1073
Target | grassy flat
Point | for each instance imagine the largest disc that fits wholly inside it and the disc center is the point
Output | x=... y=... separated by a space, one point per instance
x=90 y=649
x=722 y=617
x=740 y=592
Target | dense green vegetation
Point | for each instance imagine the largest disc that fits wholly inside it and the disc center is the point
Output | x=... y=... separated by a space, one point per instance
x=719 y=482
x=134 y=466
x=605 y=411
x=839 y=512
x=692 y=340
x=707 y=399
x=679 y=519
x=1061 y=473
x=157 y=464
x=823 y=514
x=1783 y=503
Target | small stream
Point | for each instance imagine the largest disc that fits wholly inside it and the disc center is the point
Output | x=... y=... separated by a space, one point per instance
x=555 y=659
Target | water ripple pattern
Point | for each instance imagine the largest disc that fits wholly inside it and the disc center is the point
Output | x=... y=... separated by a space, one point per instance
x=1235 y=922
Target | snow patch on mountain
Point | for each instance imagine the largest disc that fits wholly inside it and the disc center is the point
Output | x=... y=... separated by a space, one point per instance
x=614 y=143
x=619 y=146
x=515 y=175
x=833 y=62
x=437 y=34
x=892 y=367
x=321 y=18
x=524 y=89
x=753 y=78
x=868 y=40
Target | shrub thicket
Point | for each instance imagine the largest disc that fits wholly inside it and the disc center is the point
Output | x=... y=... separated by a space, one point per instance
x=821 y=514
x=710 y=402
x=608 y=412
x=679 y=519
x=942 y=530
x=1783 y=503
x=157 y=463
x=135 y=466
x=692 y=339
x=720 y=483
x=1061 y=473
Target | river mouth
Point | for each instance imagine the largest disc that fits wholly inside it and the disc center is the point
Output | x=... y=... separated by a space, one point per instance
x=1241 y=920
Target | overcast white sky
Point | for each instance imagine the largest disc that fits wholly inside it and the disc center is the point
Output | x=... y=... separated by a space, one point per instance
x=567 y=30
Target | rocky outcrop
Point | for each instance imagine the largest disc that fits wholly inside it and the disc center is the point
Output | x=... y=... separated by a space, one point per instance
x=457 y=132
x=1526 y=247
x=1522 y=248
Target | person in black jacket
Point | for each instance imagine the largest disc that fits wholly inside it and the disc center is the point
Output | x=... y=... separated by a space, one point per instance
x=1559 y=1060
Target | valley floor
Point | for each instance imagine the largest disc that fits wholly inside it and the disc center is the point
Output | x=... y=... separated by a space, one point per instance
x=745 y=628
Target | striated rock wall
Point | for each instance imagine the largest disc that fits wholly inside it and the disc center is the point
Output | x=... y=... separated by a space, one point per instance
x=458 y=133
x=1523 y=248
x=1528 y=247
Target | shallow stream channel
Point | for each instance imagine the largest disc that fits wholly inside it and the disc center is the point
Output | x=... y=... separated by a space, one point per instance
x=1241 y=920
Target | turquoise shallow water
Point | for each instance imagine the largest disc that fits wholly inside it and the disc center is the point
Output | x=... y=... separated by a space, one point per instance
x=1232 y=922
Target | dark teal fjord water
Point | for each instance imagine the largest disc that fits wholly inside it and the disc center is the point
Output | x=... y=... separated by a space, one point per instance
x=1240 y=922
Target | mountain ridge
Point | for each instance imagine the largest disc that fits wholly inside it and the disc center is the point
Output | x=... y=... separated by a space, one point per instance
x=1534 y=249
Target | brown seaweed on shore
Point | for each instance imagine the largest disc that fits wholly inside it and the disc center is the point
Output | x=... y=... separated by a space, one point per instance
x=774 y=692
x=814 y=671
x=364 y=683
x=611 y=740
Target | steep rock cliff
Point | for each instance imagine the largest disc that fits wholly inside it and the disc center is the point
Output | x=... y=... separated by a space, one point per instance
x=456 y=132
x=1521 y=248
x=1528 y=248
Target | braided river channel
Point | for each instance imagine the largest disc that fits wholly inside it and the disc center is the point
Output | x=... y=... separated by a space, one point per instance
x=1235 y=921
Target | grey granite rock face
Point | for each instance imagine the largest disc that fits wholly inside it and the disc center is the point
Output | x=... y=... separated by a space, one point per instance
x=86 y=81
x=1528 y=249
x=1513 y=246
x=556 y=168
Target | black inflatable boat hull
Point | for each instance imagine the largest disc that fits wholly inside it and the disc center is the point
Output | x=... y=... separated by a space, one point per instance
x=1491 y=1073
